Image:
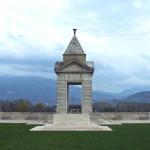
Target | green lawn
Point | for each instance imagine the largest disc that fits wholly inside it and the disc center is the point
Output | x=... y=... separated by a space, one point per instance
x=124 y=137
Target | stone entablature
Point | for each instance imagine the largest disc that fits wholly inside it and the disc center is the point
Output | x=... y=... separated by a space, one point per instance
x=74 y=65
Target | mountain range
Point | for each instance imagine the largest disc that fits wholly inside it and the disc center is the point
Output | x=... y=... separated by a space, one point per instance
x=38 y=89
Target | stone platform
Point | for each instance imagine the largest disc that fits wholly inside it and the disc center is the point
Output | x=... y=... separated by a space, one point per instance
x=71 y=122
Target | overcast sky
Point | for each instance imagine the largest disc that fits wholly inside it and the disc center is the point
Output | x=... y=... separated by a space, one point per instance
x=115 y=34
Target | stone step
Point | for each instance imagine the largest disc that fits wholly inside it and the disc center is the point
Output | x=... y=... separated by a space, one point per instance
x=49 y=118
x=49 y=127
x=71 y=122
x=71 y=118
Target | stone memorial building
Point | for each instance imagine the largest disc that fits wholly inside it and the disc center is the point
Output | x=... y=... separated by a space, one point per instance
x=74 y=70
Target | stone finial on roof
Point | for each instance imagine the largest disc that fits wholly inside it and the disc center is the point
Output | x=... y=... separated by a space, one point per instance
x=74 y=30
x=74 y=46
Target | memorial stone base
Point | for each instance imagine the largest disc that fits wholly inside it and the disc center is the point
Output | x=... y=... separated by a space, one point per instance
x=71 y=122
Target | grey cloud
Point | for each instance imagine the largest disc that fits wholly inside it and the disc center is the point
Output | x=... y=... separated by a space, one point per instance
x=32 y=54
x=32 y=61
x=107 y=72
x=106 y=78
x=145 y=57
x=30 y=65
x=36 y=61
x=16 y=37
x=31 y=68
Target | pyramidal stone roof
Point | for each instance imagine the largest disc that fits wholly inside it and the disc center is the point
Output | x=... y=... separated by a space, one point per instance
x=74 y=46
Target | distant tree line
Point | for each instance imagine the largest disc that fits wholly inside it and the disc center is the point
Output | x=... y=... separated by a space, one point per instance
x=121 y=107
x=74 y=108
x=23 y=105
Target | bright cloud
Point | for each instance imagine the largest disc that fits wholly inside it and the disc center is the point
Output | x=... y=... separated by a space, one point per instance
x=115 y=34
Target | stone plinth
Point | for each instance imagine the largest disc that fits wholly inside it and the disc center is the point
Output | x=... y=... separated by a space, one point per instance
x=71 y=122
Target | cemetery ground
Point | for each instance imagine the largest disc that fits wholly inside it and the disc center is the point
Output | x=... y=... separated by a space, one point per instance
x=123 y=137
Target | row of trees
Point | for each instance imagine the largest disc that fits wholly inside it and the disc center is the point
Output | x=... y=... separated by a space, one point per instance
x=22 y=105
x=121 y=107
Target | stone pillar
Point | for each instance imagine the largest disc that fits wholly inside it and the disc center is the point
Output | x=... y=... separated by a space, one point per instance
x=87 y=96
x=61 y=96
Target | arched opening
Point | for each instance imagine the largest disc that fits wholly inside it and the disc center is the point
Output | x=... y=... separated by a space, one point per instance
x=74 y=98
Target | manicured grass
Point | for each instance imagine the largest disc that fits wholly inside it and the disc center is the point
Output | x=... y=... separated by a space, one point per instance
x=125 y=137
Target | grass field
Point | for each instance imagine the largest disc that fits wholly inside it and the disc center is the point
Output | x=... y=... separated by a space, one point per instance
x=124 y=137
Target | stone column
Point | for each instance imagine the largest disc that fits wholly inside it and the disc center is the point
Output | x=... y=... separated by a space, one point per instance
x=87 y=96
x=61 y=96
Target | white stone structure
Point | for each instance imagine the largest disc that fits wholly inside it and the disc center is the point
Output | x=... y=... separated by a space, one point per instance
x=71 y=122
x=74 y=70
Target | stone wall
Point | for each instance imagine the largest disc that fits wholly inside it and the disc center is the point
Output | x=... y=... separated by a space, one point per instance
x=47 y=117
x=120 y=116
x=94 y=116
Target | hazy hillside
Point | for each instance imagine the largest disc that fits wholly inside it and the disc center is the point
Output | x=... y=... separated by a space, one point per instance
x=32 y=88
x=139 y=97
x=38 y=89
x=41 y=89
x=133 y=90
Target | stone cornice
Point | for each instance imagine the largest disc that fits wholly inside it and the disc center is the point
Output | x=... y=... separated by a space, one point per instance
x=59 y=66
